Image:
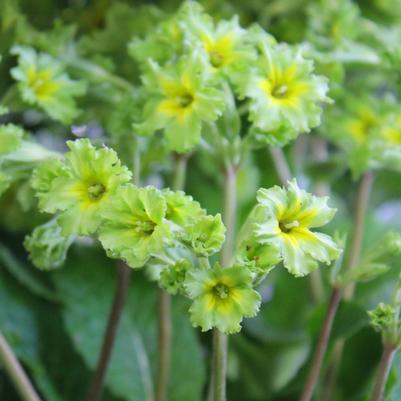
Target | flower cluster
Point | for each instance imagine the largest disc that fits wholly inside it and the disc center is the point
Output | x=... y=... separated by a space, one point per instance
x=368 y=131
x=188 y=71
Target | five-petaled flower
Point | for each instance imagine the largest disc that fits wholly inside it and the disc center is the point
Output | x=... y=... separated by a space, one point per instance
x=285 y=220
x=80 y=186
x=285 y=95
x=182 y=97
x=221 y=297
x=43 y=82
x=134 y=225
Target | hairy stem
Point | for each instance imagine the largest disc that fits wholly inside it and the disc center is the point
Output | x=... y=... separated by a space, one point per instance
x=362 y=200
x=280 y=164
x=383 y=372
x=96 y=388
x=361 y=206
x=164 y=303
x=220 y=341
x=16 y=372
x=321 y=346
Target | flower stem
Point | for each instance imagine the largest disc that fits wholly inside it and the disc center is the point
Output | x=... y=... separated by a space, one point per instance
x=362 y=200
x=384 y=369
x=96 y=388
x=164 y=303
x=321 y=346
x=229 y=213
x=361 y=206
x=217 y=391
x=16 y=372
x=165 y=335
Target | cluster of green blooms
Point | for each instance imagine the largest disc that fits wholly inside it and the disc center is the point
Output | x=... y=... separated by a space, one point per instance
x=190 y=63
x=368 y=130
x=89 y=192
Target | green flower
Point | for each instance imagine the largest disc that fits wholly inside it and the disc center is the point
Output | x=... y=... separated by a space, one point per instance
x=285 y=219
x=181 y=99
x=43 y=82
x=134 y=225
x=383 y=317
x=84 y=183
x=224 y=43
x=182 y=210
x=221 y=298
x=206 y=235
x=47 y=246
x=285 y=94
x=172 y=276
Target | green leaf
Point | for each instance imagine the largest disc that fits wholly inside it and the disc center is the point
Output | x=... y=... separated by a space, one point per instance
x=88 y=277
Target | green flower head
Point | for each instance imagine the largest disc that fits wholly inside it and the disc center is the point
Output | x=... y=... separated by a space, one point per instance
x=47 y=246
x=134 y=225
x=285 y=94
x=85 y=181
x=206 y=235
x=172 y=276
x=285 y=220
x=221 y=298
x=43 y=82
x=224 y=43
x=181 y=99
x=182 y=210
x=383 y=317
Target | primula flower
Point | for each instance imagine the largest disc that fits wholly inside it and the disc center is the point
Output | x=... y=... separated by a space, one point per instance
x=83 y=184
x=224 y=44
x=206 y=235
x=221 y=298
x=172 y=276
x=182 y=98
x=43 y=82
x=285 y=94
x=134 y=224
x=285 y=220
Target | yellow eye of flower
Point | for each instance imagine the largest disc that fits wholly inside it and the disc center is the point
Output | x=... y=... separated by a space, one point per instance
x=220 y=50
x=221 y=291
x=41 y=83
x=96 y=191
x=145 y=227
x=185 y=100
x=287 y=226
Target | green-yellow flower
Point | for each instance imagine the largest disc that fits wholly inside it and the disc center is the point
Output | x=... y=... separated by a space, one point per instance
x=224 y=43
x=285 y=95
x=83 y=184
x=181 y=99
x=43 y=82
x=221 y=298
x=285 y=220
x=134 y=225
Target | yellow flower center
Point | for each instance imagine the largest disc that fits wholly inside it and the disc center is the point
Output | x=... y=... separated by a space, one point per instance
x=184 y=100
x=145 y=227
x=220 y=50
x=41 y=83
x=287 y=226
x=96 y=191
x=221 y=291
x=284 y=86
